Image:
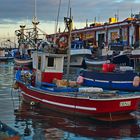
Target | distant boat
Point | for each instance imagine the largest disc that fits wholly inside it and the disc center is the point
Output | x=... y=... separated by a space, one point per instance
x=5 y=55
x=22 y=56
x=78 y=51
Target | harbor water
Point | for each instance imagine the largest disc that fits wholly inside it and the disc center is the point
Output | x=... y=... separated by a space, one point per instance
x=34 y=123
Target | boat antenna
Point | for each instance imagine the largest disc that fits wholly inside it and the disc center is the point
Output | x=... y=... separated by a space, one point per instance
x=68 y=22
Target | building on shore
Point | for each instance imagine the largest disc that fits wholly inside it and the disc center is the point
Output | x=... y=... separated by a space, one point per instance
x=125 y=33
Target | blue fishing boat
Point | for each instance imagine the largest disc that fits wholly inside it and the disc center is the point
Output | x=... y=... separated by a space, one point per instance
x=121 y=73
x=123 y=79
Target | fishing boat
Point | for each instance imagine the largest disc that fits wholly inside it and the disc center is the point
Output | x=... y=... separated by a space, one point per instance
x=120 y=73
x=27 y=43
x=123 y=78
x=45 y=86
x=78 y=51
x=22 y=57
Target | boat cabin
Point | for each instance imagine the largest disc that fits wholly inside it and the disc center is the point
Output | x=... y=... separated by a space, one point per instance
x=47 y=66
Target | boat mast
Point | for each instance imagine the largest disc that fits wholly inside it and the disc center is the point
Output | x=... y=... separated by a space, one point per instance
x=58 y=13
x=35 y=22
x=68 y=22
x=21 y=35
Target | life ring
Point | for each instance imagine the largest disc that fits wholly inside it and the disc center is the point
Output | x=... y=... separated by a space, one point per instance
x=62 y=42
x=136 y=81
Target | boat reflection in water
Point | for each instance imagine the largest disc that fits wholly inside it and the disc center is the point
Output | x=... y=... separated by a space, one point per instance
x=40 y=124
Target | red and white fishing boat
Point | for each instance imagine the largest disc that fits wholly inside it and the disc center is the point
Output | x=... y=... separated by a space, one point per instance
x=46 y=87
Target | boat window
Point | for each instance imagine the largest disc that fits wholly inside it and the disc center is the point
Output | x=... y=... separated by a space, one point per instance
x=39 y=62
x=50 y=62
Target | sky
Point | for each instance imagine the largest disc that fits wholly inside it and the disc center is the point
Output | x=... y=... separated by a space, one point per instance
x=14 y=13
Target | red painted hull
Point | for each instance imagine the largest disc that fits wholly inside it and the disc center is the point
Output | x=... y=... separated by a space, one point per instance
x=95 y=108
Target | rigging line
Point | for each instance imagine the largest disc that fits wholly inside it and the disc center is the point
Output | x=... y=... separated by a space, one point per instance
x=42 y=31
x=57 y=17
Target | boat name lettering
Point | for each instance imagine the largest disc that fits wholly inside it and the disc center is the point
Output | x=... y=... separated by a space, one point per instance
x=126 y=103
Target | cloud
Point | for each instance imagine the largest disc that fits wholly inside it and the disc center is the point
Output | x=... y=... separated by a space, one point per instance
x=104 y=9
x=20 y=11
x=81 y=9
